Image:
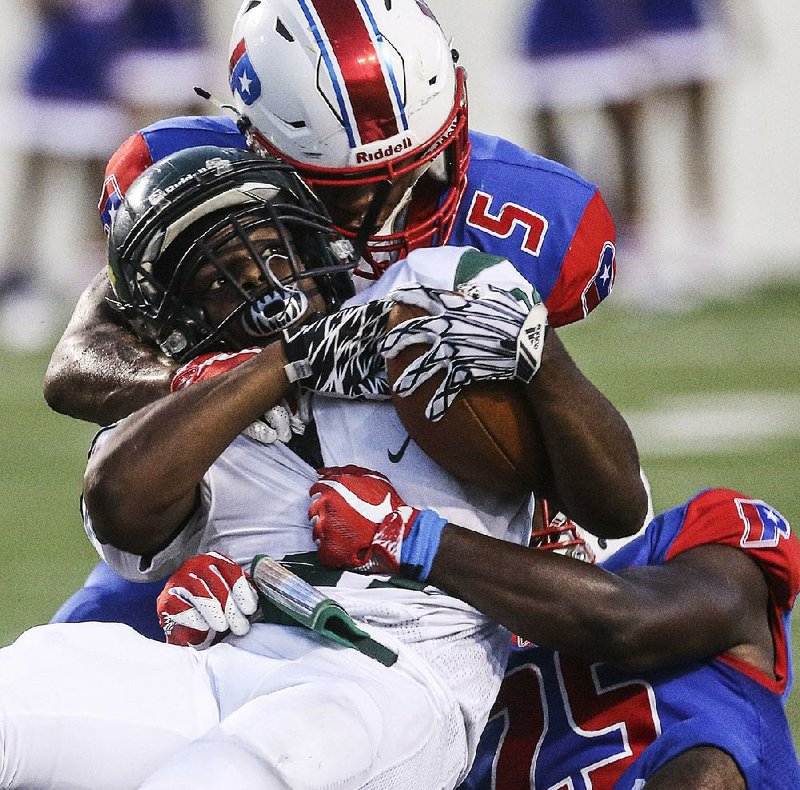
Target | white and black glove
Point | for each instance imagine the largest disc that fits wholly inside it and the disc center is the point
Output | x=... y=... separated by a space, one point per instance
x=338 y=353
x=485 y=335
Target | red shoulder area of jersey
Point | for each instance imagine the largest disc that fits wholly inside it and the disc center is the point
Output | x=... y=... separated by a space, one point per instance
x=758 y=529
x=589 y=268
x=733 y=519
x=129 y=161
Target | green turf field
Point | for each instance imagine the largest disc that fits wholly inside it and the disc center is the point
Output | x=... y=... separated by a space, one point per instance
x=728 y=371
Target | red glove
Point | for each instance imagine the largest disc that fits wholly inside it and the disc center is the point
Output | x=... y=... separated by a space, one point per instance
x=206 y=366
x=207 y=596
x=278 y=424
x=359 y=520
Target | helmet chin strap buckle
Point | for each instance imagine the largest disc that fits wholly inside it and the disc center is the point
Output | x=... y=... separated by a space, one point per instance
x=174 y=344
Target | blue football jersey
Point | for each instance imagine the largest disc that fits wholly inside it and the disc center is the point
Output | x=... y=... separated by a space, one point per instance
x=562 y=722
x=549 y=222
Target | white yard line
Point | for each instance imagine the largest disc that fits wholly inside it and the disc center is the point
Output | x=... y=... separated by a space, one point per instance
x=715 y=422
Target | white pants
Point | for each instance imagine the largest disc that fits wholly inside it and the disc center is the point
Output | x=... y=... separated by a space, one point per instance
x=94 y=705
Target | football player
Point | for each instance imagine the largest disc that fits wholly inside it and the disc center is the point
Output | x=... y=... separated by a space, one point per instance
x=218 y=250
x=667 y=666
x=367 y=101
x=388 y=150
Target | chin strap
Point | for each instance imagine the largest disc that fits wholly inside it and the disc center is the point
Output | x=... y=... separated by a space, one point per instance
x=241 y=120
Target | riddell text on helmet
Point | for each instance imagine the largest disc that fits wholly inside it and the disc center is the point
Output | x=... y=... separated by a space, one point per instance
x=383 y=153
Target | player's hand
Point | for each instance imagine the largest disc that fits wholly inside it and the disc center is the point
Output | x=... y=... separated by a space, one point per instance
x=338 y=354
x=486 y=334
x=276 y=425
x=359 y=519
x=207 y=366
x=290 y=416
x=206 y=597
x=361 y=522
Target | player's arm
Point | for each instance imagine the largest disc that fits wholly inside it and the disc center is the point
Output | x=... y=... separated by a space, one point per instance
x=100 y=371
x=591 y=465
x=707 y=600
x=700 y=768
x=141 y=484
x=591 y=452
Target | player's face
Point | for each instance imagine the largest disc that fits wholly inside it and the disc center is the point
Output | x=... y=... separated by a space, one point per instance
x=220 y=286
x=348 y=205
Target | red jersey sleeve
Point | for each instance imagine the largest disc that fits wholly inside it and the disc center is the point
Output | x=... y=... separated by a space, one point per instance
x=131 y=159
x=728 y=517
x=758 y=529
x=589 y=267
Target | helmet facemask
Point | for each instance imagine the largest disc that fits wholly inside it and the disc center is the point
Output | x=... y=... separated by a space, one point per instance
x=229 y=265
x=268 y=302
x=558 y=533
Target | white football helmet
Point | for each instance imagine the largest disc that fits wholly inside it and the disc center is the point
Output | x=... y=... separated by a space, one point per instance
x=357 y=92
x=560 y=534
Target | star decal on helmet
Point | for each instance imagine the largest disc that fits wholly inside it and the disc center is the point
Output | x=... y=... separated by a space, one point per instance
x=243 y=78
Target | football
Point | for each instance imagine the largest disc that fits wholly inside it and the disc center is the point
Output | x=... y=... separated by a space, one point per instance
x=487 y=436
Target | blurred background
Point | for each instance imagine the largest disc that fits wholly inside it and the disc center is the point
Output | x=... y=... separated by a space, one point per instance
x=686 y=114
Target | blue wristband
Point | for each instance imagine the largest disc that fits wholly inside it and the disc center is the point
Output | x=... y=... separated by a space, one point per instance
x=421 y=544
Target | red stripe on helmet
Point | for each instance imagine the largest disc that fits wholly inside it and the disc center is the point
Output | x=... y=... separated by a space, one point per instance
x=237 y=53
x=360 y=66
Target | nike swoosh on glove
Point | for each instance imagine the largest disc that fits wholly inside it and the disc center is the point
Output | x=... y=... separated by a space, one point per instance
x=205 y=598
x=361 y=522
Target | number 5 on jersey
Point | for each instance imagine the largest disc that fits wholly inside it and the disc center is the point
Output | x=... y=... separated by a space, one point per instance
x=503 y=223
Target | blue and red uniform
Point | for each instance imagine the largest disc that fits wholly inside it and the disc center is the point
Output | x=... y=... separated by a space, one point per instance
x=561 y=722
x=551 y=224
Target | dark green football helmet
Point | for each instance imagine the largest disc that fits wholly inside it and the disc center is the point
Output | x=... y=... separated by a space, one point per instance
x=178 y=214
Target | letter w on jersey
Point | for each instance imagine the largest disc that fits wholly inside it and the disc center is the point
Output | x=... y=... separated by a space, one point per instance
x=763 y=525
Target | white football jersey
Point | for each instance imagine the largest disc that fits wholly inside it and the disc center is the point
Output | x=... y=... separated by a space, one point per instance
x=255 y=501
